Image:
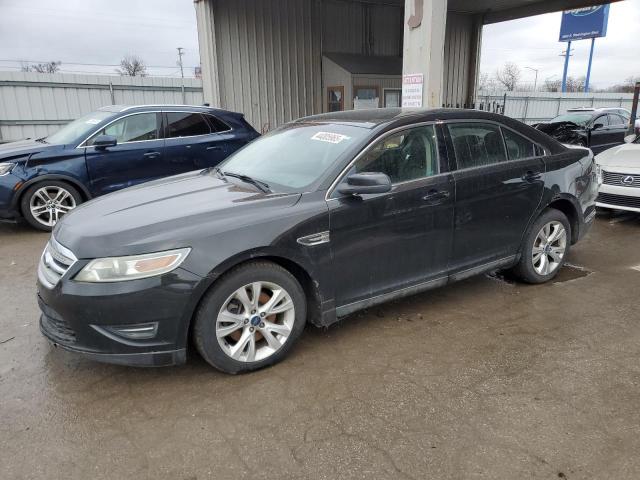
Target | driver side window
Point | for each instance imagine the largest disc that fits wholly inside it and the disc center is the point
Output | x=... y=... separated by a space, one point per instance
x=132 y=128
x=408 y=155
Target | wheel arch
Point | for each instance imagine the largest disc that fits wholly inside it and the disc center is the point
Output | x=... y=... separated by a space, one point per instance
x=571 y=211
x=17 y=199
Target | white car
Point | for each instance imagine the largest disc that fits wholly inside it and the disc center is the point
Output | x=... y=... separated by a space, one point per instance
x=618 y=171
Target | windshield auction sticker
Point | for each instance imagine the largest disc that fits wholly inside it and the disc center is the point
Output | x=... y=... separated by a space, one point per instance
x=329 y=137
x=93 y=121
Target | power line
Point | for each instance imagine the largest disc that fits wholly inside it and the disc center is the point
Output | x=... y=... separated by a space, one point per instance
x=80 y=63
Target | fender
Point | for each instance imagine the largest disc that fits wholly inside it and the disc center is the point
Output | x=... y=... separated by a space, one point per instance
x=15 y=204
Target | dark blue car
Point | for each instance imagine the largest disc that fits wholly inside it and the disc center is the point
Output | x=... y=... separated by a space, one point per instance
x=110 y=149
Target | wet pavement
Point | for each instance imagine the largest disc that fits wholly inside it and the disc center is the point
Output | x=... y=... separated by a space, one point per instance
x=486 y=379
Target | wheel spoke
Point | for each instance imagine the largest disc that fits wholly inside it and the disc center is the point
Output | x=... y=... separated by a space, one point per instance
x=233 y=322
x=39 y=210
x=45 y=198
x=271 y=340
x=543 y=268
x=238 y=348
x=65 y=208
x=277 y=328
x=536 y=257
x=243 y=297
x=256 y=289
x=276 y=297
x=251 y=348
x=556 y=254
x=557 y=234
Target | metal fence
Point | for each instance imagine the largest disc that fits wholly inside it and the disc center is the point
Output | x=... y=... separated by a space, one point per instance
x=34 y=105
x=533 y=107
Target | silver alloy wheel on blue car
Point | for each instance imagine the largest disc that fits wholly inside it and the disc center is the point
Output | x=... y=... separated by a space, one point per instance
x=255 y=321
x=50 y=203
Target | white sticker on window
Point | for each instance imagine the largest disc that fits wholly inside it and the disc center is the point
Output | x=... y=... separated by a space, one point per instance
x=329 y=137
x=93 y=121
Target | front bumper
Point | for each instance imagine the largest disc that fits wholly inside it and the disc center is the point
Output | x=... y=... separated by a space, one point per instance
x=97 y=320
x=619 y=198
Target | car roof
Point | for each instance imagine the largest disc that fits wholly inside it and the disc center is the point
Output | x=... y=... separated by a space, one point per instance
x=189 y=108
x=597 y=110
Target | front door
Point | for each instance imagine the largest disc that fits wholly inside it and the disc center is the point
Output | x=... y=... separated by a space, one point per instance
x=385 y=242
x=138 y=156
x=499 y=185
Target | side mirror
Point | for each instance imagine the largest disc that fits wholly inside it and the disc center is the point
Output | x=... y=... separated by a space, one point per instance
x=597 y=126
x=102 y=142
x=366 y=182
x=630 y=138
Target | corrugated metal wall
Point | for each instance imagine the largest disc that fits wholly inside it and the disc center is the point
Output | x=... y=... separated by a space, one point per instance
x=34 y=105
x=269 y=58
x=363 y=28
x=457 y=56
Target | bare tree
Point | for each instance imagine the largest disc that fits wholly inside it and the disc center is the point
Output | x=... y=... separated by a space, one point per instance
x=49 y=67
x=627 y=86
x=576 y=84
x=483 y=81
x=552 y=85
x=509 y=76
x=132 y=66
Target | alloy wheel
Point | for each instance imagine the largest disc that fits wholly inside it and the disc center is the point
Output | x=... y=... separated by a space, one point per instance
x=48 y=204
x=255 y=321
x=549 y=248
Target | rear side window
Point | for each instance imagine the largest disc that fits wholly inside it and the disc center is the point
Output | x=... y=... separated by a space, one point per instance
x=217 y=125
x=617 y=120
x=517 y=146
x=185 y=124
x=477 y=144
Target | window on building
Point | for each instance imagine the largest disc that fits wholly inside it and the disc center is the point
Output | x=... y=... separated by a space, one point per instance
x=185 y=124
x=366 y=97
x=335 y=99
x=132 y=128
x=517 y=146
x=392 y=98
x=407 y=155
x=477 y=144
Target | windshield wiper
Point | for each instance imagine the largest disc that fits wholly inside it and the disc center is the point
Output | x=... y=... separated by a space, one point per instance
x=263 y=187
x=41 y=140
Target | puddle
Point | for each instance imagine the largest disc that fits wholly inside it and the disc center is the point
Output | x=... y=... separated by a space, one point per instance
x=568 y=273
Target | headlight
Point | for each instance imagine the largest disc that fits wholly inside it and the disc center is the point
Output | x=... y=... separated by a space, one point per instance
x=120 y=269
x=599 y=174
x=6 y=168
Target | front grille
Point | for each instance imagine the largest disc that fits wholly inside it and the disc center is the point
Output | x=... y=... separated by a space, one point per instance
x=54 y=263
x=621 y=179
x=619 y=200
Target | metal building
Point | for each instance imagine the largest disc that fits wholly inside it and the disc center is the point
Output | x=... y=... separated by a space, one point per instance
x=265 y=57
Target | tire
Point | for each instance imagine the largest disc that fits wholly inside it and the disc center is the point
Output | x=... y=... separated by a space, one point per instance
x=223 y=329
x=60 y=196
x=530 y=267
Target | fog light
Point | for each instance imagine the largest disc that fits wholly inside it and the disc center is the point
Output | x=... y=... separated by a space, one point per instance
x=143 y=331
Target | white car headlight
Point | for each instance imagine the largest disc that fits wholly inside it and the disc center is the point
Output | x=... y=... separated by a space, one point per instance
x=5 y=168
x=121 y=269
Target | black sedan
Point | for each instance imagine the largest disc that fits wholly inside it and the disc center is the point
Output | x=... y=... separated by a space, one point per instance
x=596 y=128
x=322 y=217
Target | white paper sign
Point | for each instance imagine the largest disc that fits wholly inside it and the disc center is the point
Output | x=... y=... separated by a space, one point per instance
x=93 y=121
x=412 y=85
x=329 y=137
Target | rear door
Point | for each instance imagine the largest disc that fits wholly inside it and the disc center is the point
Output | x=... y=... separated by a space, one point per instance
x=499 y=184
x=193 y=141
x=618 y=126
x=138 y=157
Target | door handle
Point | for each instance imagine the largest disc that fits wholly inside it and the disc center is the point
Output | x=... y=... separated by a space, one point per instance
x=214 y=147
x=531 y=176
x=152 y=154
x=435 y=195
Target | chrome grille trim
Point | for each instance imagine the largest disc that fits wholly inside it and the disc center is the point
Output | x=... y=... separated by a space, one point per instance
x=55 y=262
x=618 y=179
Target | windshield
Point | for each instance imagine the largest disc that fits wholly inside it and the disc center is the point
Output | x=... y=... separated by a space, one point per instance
x=78 y=129
x=577 y=118
x=294 y=156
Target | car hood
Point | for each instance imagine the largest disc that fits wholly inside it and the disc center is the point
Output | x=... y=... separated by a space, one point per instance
x=165 y=214
x=624 y=156
x=23 y=148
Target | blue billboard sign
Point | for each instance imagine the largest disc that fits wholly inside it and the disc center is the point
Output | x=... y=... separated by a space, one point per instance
x=581 y=23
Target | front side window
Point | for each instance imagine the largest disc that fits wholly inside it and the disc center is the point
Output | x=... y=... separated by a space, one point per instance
x=477 y=144
x=186 y=124
x=404 y=156
x=132 y=128
x=602 y=120
x=517 y=146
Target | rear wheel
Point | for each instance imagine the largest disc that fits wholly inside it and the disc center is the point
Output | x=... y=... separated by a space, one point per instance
x=251 y=318
x=45 y=203
x=545 y=248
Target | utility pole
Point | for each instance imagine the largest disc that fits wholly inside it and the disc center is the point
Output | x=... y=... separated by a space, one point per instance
x=180 y=54
x=535 y=82
x=586 y=82
x=566 y=54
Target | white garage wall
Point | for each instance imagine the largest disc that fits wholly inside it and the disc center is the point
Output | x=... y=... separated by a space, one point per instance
x=34 y=105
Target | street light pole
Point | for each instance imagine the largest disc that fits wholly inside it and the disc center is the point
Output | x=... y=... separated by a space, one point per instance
x=180 y=54
x=535 y=82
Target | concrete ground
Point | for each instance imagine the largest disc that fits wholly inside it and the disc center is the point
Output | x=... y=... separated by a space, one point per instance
x=485 y=379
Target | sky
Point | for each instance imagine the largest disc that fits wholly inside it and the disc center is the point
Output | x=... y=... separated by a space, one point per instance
x=103 y=31
x=533 y=42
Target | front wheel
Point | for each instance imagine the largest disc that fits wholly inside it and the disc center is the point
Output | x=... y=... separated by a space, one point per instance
x=545 y=247
x=251 y=318
x=45 y=203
